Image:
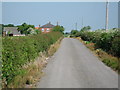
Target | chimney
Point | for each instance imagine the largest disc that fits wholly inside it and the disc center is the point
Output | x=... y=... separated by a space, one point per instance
x=49 y=22
x=39 y=26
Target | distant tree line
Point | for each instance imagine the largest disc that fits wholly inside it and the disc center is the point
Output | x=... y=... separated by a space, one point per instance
x=76 y=32
x=88 y=28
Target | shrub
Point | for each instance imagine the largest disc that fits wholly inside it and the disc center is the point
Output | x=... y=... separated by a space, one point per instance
x=116 y=45
x=108 y=41
x=105 y=41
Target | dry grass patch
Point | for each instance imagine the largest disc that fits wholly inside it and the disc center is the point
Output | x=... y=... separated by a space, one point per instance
x=31 y=73
x=54 y=47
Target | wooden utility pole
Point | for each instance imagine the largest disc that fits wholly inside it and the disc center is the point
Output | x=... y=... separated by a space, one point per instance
x=57 y=23
x=82 y=22
x=76 y=26
x=106 y=25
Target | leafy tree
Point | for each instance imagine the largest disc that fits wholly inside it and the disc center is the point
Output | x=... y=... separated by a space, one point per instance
x=32 y=26
x=73 y=32
x=67 y=33
x=21 y=29
x=87 y=28
x=58 y=28
x=24 y=28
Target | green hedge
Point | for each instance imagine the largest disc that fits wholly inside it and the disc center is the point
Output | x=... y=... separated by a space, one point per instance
x=17 y=51
x=108 y=41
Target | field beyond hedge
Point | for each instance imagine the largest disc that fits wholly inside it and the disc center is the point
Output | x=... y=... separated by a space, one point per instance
x=18 y=51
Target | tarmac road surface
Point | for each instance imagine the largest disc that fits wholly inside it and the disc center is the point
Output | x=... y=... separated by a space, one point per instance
x=75 y=66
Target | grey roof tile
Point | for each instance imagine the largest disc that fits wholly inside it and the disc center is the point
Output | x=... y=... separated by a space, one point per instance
x=13 y=30
x=48 y=25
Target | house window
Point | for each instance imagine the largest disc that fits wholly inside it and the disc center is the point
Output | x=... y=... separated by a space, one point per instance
x=47 y=29
x=42 y=29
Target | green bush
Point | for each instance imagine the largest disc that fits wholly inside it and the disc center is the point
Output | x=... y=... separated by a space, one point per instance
x=105 y=41
x=17 y=51
x=116 y=45
x=108 y=41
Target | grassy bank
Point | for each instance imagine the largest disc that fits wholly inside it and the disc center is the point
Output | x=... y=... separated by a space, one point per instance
x=24 y=58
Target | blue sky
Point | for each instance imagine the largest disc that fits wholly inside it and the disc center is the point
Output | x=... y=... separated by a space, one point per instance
x=66 y=13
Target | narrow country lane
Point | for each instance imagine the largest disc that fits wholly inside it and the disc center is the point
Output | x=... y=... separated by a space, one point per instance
x=75 y=66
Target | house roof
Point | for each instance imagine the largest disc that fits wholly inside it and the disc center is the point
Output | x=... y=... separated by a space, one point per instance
x=36 y=27
x=48 y=25
x=13 y=30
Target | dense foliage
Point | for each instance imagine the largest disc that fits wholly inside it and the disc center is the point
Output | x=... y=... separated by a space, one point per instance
x=17 y=51
x=24 y=28
x=77 y=33
x=9 y=25
x=74 y=32
x=86 y=28
x=108 y=41
x=58 y=29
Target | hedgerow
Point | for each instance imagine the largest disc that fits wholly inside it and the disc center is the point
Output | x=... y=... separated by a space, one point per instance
x=18 y=51
x=108 y=41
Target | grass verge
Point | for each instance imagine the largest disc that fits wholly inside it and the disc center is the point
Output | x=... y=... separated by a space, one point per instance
x=106 y=58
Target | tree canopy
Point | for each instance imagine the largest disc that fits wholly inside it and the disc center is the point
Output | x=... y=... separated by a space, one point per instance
x=73 y=32
x=24 y=28
x=58 y=28
x=86 y=28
